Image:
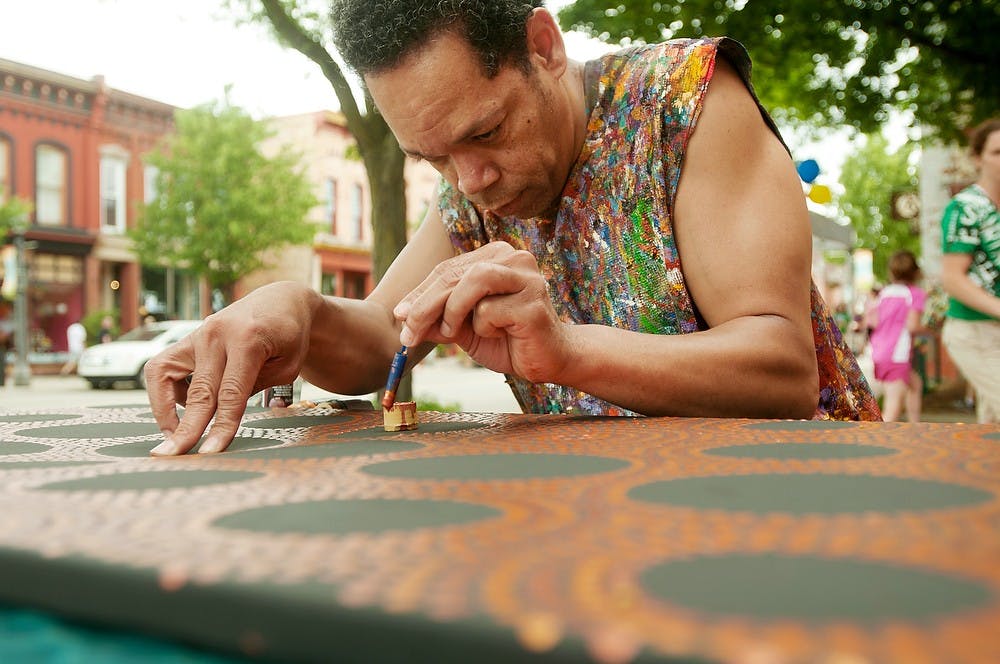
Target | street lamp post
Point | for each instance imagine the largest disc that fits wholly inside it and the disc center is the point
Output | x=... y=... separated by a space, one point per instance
x=22 y=370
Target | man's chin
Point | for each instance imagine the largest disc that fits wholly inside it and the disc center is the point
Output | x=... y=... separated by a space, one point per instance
x=512 y=208
x=522 y=208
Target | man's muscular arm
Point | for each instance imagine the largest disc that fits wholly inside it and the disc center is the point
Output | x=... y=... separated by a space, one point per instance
x=744 y=239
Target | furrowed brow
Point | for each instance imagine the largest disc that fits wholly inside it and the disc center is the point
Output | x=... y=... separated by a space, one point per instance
x=418 y=155
x=479 y=126
x=476 y=128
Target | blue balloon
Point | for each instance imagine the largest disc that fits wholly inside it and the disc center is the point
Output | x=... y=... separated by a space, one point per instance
x=808 y=170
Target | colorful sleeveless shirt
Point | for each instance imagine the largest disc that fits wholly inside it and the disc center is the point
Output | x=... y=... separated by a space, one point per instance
x=609 y=256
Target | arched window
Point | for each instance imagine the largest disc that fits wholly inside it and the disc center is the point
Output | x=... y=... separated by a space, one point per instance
x=51 y=193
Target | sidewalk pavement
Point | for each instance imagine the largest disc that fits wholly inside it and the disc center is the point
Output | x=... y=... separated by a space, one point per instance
x=445 y=381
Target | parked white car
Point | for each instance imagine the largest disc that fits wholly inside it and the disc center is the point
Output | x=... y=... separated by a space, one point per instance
x=124 y=358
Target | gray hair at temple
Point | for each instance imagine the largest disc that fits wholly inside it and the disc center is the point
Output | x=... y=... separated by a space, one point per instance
x=374 y=36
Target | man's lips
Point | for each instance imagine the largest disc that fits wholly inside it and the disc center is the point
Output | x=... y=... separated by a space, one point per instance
x=507 y=208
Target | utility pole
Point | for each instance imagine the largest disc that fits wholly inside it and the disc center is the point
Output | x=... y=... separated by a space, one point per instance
x=22 y=370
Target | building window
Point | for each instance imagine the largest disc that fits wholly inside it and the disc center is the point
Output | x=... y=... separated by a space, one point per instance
x=354 y=285
x=112 y=194
x=149 y=190
x=5 y=170
x=331 y=204
x=56 y=269
x=50 y=186
x=328 y=284
x=357 y=211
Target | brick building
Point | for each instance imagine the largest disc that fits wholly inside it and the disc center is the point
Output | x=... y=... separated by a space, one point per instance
x=74 y=148
x=339 y=262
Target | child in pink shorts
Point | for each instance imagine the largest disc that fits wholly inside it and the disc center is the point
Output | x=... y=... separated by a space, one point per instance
x=895 y=320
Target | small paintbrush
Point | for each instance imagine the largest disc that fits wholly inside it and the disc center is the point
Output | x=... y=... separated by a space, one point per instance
x=395 y=375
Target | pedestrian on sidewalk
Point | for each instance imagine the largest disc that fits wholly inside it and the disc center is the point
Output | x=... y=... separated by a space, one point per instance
x=895 y=320
x=970 y=274
x=107 y=332
x=76 y=340
x=6 y=338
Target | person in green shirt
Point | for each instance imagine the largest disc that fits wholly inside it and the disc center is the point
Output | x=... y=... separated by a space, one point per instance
x=970 y=273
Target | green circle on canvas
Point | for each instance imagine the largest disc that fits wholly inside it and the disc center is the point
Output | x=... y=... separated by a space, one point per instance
x=94 y=430
x=142 y=448
x=496 y=467
x=38 y=417
x=17 y=447
x=165 y=479
x=808 y=493
x=329 y=450
x=425 y=427
x=808 y=588
x=801 y=425
x=28 y=465
x=295 y=421
x=801 y=451
x=338 y=517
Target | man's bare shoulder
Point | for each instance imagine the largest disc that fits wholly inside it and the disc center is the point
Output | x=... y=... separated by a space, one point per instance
x=741 y=218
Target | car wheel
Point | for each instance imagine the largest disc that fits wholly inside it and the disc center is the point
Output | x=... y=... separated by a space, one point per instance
x=94 y=384
x=140 y=378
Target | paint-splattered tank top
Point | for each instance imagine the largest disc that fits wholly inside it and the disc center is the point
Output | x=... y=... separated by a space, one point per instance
x=609 y=256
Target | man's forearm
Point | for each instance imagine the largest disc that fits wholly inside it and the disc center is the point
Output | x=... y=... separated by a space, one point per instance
x=755 y=366
x=350 y=346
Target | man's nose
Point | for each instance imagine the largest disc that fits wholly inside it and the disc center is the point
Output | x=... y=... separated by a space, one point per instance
x=474 y=174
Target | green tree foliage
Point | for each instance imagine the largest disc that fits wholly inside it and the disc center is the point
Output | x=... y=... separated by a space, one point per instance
x=220 y=202
x=11 y=210
x=303 y=25
x=92 y=322
x=870 y=177
x=836 y=61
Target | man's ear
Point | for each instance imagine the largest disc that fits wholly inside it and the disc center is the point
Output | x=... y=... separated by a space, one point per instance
x=546 y=48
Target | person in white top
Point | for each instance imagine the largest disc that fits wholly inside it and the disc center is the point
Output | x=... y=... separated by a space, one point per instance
x=76 y=340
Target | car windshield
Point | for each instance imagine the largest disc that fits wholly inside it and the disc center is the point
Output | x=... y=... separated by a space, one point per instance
x=144 y=333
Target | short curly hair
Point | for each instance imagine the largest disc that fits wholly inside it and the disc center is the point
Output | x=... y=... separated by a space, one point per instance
x=376 y=35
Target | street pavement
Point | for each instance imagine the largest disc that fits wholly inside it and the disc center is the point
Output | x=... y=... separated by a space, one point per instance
x=445 y=381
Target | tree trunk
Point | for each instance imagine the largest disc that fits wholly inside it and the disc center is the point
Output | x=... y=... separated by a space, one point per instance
x=381 y=154
x=385 y=176
x=384 y=167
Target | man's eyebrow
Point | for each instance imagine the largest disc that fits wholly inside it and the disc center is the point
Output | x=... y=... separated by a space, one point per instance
x=479 y=126
x=418 y=155
x=475 y=128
